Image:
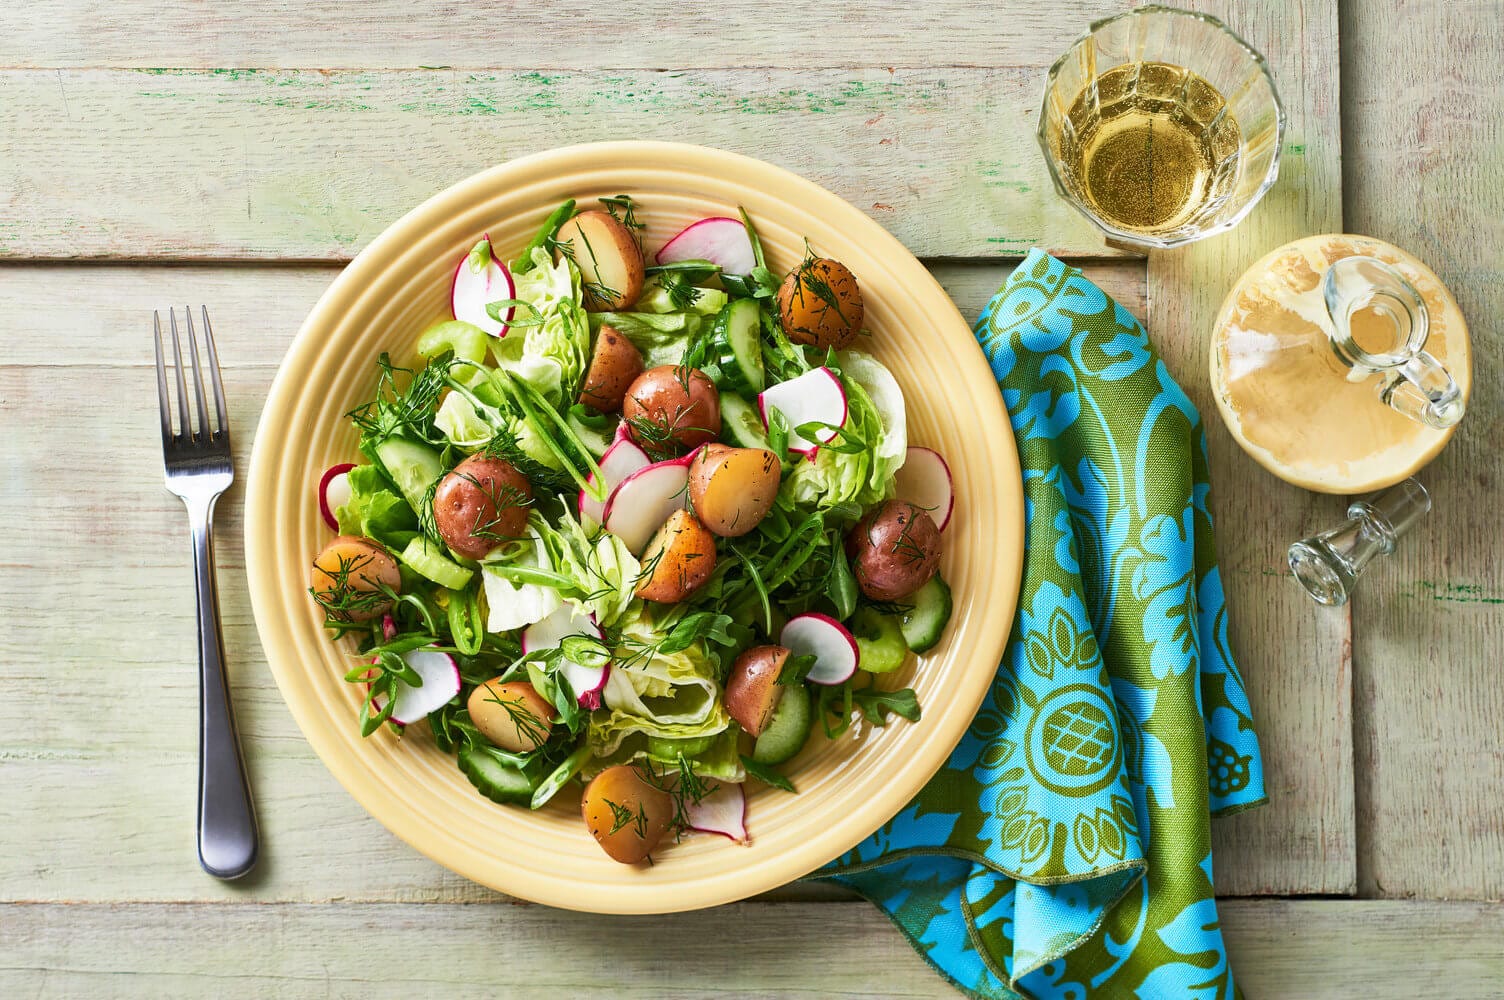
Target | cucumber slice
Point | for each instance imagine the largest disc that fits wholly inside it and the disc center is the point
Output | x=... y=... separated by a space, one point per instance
x=668 y=749
x=788 y=729
x=880 y=641
x=740 y=421
x=496 y=781
x=736 y=345
x=412 y=466
x=426 y=559
x=924 y=623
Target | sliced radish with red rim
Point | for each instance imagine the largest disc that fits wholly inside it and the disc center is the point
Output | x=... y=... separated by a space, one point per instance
x=643 y=501
x=720 y=240
x=828 y=641
x=817 y=396
x=925 y=481
x=334 y=492
x=441 y=682
x=620 y=460
x=723 y=811
x=587 y=682
x=473 y=290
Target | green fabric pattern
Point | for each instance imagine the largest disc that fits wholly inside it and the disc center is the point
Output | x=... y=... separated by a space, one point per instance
x=1064 y=850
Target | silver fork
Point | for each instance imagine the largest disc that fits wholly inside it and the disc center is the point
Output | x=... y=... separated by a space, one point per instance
x=198 y=471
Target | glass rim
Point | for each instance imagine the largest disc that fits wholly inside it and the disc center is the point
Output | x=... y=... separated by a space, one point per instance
x=1140 y=240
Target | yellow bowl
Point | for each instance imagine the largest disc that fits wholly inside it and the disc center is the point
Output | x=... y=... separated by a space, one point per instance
x=399 y=284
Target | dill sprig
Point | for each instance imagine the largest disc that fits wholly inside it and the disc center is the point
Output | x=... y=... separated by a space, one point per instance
x=623 y=816
x=348 y=597
x=405 y=411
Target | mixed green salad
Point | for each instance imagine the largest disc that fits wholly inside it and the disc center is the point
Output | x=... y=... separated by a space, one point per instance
x=641 y=527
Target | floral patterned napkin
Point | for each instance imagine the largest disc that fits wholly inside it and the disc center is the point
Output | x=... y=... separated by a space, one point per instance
x=1064 y=850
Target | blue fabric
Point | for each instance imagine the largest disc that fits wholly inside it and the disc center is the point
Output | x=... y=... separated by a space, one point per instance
x=1064 y=849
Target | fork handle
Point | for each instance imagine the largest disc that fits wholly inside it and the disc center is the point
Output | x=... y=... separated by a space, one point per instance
x=227 y=837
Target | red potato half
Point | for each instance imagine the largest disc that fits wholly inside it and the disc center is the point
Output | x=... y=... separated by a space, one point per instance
x=345 y=578
x=752 y=690
x=609 y=259
x=481 y=503
x=672 y=407
x=678 y=559
x=732 y=489
x=614 y=365
x=893 y=551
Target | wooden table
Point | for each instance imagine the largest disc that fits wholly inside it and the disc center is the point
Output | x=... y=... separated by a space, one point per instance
x=127 y=187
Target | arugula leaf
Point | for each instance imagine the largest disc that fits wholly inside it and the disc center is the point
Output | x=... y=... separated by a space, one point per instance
x=796 y=668
x=767 y=775
x=875 y=705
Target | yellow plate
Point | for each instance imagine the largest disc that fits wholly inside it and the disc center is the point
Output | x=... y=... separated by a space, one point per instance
x=398 y=285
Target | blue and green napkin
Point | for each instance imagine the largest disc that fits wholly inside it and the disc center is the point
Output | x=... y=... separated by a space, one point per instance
x=1064 y=850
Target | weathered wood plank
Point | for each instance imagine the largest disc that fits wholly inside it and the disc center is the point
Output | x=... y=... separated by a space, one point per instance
x=311 y=165
x=1313 y=949
x=1424 y=138
x=653 y=34
x=98 y=801
x=1296 y=661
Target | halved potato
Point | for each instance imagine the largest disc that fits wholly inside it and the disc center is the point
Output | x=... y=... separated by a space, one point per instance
x=346 y=575
x=752 y=690
x=678 y=559
x=732 y=489
x=820 y=304
x=514 y=716
x=614 y=365
x=610 y=262
x=626 y=815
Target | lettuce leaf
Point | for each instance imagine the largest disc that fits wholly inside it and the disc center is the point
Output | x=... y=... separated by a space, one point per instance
x=552 y=351
x=602 y=569
x=512 y=605
x=875 y=414
x=719 y=761
x=673 y=695
x=376 y=510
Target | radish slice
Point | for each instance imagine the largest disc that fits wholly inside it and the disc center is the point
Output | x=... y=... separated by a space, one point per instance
x=474 y=290
x=924 y=481
x=832 y=645
x=817 y=395
x=620 y=460
x=723 y=811
x=334 y=492
x=719 y=240
x=565 y=621
x=388 y=628
x=441 y=682
x=642 y=501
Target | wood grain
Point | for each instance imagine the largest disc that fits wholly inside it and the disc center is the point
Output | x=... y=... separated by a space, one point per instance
x=651 y=34
x=1294 y=658
x=310 y=165
x=1316 y=950
x=1425 y=170
x=73 y=764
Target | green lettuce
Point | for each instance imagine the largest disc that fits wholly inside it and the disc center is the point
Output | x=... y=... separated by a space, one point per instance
x=874 y=414
x=510 y=604
x=602 y=570
x=550 y=345
x=376 y=510
x=721 y=760
x=672 y=695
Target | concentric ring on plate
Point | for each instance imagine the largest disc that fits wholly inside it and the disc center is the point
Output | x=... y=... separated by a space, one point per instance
x=847 y=788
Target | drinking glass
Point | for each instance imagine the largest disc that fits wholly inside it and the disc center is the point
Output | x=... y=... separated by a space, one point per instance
x=1162 y=127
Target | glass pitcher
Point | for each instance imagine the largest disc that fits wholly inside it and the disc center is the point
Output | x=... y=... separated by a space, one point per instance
x=1379 y=325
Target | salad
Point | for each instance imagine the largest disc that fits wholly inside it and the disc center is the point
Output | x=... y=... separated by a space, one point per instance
x=640 y=528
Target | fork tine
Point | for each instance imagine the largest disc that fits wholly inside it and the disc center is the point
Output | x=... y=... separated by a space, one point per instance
x=185 y=429
x=156 y=322
x=198 y=379
x=219 y=389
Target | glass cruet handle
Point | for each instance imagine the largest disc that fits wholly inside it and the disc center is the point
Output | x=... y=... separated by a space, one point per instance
x=1412 y=381
x=1422 y=389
